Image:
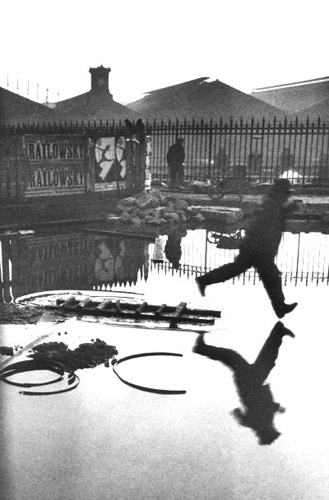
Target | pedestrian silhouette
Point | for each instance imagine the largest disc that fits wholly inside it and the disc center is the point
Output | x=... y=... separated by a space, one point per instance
x=140 y=131
x=258 y=406
x=259 y=247
x=129 y=132
x=175 y=160
x=173 y=247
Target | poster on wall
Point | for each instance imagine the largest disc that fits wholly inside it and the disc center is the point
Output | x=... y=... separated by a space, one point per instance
x=57 y=164
x=110 y=164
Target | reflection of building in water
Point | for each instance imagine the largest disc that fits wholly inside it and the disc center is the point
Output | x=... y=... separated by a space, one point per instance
x=31 y=264
x=302 y=257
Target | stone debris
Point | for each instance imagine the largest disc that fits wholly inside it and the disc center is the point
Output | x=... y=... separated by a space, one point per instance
x=16 y=314
x=87 y=355
x=220 y=214
x=153 y=208
x=6 y=351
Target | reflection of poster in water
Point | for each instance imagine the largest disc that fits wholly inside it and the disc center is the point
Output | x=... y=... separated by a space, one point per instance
x=71 y=261
x=119 y=260
x=110 y=164
x=50 y=262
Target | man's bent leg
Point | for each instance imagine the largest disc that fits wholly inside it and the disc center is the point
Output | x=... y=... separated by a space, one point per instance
x=224 y=273
x=228 y=357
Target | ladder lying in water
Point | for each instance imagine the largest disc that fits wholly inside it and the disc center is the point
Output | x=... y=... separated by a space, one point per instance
x=134 y=311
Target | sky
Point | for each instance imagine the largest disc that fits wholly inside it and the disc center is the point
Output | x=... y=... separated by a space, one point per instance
x=151 y=44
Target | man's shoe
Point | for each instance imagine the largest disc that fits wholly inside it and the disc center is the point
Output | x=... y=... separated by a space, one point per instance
x=285 y=309
x=288 y=332
x=281 y=330
x=201 y=286
x=199 y=343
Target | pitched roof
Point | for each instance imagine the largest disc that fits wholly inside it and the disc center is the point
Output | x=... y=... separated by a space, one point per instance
x=16 y=109
x=318 y=110
x=201 y=99
x=93 y=106
x=296 y=96
x=96 y=105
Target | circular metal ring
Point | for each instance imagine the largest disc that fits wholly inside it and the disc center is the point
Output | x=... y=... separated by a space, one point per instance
x=28 y=366
x=141 y=387
x=32 y=365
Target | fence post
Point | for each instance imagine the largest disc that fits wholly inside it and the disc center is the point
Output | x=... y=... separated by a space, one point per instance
x=305 y=151
x=148 y=172
x=210 y=148
x=5 y=245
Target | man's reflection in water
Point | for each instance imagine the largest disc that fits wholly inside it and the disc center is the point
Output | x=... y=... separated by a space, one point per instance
x=258 y=406
x=173 y=248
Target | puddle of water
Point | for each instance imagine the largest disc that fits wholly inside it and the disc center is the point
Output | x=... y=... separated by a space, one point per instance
x=108 y=437
x=36 y=263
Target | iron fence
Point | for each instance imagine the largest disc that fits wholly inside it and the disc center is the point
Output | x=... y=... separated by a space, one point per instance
x=255 y=150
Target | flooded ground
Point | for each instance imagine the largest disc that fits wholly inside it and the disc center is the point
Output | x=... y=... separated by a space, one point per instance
x=107 y=439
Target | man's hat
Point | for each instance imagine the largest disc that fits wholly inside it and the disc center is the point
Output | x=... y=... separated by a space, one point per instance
x=281 y=186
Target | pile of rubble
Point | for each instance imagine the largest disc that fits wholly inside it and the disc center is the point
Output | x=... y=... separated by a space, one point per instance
x=154 y=208
x=87 y=355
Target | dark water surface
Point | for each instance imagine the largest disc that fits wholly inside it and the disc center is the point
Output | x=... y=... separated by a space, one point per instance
x=75 y=259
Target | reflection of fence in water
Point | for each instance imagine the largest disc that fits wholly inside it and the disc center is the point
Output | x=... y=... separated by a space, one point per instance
x=83 y=261
x=6 y=271
x=302 y=258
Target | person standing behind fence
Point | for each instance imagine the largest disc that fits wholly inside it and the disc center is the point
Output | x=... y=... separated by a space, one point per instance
x=175 y=160
x=259 y=248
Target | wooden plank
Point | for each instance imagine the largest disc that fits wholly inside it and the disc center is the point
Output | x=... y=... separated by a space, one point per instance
x=129 y=306
x=147 y=316
x=118 y=306
x=160 y=310
x=141 y=308
x=180 y=310
x=177 y=315
x=85 y=303
x=69 y=302
x=105 y=304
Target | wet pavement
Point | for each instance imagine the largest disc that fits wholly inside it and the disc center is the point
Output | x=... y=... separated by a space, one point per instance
x=106 y=439
x=314 y=202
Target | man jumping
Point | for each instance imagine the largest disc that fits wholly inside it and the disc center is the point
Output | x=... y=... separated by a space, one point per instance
x=259 y=248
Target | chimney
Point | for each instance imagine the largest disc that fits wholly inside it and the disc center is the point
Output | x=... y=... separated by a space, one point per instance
x=100 y=79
